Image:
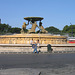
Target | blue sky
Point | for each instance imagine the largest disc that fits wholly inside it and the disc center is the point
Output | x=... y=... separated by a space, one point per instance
x=57 y=13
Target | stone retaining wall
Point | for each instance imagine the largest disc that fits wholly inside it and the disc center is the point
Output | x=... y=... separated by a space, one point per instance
x=26 y=38
x=27 y=48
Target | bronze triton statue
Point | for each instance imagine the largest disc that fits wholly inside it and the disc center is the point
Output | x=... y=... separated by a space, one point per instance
x=33 y=21
x=24 y=27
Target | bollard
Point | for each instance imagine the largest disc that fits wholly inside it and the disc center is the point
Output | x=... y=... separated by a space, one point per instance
x=49 y=49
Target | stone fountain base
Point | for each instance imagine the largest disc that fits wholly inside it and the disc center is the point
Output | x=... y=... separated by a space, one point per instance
x=25 y=39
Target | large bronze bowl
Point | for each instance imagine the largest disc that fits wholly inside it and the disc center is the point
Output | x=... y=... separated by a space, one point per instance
x=33 y=18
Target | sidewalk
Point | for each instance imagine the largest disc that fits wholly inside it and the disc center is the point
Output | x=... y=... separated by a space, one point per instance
x=27 y=48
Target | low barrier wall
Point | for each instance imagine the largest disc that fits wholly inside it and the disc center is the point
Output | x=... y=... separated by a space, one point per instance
x=27 y=48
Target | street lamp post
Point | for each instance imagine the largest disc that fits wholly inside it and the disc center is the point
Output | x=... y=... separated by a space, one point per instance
x=71 y=29
x=0 y=21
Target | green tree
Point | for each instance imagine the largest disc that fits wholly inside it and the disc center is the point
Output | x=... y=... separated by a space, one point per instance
x=65 y=29
x=15 y=30
x=4 y=28
x=69 y=30
x=53 y=30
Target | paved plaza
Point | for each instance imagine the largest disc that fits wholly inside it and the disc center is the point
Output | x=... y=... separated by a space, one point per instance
x=37 y=64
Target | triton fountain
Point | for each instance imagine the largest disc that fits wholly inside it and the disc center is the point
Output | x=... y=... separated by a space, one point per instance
x=25 y=37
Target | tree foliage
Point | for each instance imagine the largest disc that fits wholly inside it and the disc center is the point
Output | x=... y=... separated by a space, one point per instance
x=5 y=28
x=15 y=30
x=65 y=29
x=69 y=29
x=52 y=30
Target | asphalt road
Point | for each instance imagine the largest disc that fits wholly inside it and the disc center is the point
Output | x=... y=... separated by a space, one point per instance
x=36 y=60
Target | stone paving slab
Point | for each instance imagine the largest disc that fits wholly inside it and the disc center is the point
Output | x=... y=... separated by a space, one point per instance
x=69 y=70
